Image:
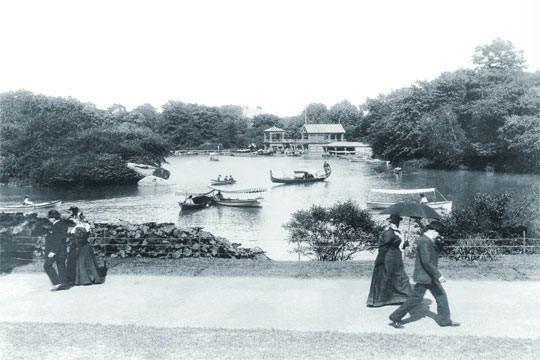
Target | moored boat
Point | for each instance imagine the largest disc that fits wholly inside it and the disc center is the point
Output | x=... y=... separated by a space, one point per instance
x=239 y=201
x=35 y=206
x=303 y=177
x=389 y=197
x=196 y=201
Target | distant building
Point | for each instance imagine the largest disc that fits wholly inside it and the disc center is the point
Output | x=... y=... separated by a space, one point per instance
x=315 y=138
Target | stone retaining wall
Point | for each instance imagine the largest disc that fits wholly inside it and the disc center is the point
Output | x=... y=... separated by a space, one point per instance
x=22 y=238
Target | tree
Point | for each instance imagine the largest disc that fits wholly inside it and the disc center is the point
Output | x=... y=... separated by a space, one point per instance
x=334 y=233
x=315 y=113
x=499 y=55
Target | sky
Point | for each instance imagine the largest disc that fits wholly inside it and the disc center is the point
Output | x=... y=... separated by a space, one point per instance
x=279 y=55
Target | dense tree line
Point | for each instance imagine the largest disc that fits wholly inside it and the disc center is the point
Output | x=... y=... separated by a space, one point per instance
x=57 y=141
x=479 y=117
x=471 y=117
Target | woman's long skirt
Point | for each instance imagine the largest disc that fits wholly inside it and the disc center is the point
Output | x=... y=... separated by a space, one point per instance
x=88 y=272
x=389 y=284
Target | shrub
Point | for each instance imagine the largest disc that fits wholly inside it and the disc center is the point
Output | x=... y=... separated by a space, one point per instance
x=490 y=225
x=333 y=233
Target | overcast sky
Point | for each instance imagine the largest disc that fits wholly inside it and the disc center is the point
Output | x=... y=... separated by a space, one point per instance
x=280 y=55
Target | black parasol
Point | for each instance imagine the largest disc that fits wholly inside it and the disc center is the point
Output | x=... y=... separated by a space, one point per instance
x=411 y=209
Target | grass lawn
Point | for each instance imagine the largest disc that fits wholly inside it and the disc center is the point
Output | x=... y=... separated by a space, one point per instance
x=508 y=268
x=84 y=341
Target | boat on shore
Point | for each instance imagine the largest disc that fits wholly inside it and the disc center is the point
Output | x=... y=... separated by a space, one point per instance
x=35 y=206
x=389 y=197
x=303 y=176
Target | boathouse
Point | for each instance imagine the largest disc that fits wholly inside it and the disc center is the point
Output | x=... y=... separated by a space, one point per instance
x=315 y=138
x=274 y=139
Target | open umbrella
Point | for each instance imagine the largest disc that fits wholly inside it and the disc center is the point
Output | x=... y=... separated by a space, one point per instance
x=411 y=209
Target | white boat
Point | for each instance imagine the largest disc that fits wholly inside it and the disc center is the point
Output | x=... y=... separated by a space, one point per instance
x=220 y=199
x=35 y=206
x=388 y=197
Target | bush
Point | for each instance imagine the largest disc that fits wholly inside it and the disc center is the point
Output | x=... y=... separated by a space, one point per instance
x=490 y=225
x=334 y=233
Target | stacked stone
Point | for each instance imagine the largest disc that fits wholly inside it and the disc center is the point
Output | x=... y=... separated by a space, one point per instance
x=23 y=236
x=165 y=240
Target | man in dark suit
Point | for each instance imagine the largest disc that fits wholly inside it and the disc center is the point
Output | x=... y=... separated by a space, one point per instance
x=427 y=277
x=55 y=251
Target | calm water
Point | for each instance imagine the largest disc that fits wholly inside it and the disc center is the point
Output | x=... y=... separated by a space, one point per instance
x=262 y=227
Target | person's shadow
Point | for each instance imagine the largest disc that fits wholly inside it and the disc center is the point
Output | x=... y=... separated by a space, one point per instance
x=421 y=311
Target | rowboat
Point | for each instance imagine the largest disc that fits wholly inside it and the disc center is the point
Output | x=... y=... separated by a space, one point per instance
x=388 y=197
x=239 y=202
x=220 y=199
x=303 y=177
x=197 y=201
x=35 y=206
x=222 y=182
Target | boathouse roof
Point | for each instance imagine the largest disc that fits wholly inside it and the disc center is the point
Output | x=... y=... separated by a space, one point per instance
x=324 y=128
x=273 y=129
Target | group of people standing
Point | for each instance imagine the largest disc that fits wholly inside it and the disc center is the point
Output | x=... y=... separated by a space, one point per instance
x=390 y=284
x=67 y=247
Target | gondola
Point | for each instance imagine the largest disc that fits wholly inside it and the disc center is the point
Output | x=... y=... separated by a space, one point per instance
x=303 y=177
x=35 y=206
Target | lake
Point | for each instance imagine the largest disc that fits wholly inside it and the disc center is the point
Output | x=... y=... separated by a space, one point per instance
x=262 y=227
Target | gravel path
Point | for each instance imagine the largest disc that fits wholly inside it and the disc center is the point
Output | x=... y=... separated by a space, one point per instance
x=485 y=308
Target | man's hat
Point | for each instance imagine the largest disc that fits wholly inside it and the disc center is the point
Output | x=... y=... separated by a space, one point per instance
x=435 y=225
x=53 y=214
x=394 y=217
x=74 y=209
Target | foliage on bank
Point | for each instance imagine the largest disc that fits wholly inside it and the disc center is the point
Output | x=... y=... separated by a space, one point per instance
x=489 y=226
x=481 y=117
x=57 y=141
x=486 y=116
x=332 y=233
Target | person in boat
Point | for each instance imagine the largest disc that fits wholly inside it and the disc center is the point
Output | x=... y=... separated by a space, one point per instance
x=219 y=178
x=389 y=283
x=231 y=178
x=423 y=199
x=27 y=201
x=219 y=195
x=226 y=178
x=56 y=252
x=427 y=277
x=189 y=200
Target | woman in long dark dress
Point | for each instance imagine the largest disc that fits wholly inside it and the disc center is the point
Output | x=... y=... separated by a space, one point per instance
x=389 y=284
x=87 y=271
